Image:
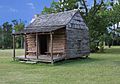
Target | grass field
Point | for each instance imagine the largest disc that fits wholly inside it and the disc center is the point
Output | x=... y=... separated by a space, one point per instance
x=99 y=68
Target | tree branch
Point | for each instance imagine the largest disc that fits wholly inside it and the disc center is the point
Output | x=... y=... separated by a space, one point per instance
x=86 y=9
x=94 y=12
x=95 y=3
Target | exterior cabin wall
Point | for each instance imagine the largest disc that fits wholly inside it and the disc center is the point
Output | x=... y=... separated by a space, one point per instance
x=77 y=37
x=31 y=44
x=58 y=41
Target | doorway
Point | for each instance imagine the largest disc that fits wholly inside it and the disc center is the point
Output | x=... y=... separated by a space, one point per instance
x=43 y=44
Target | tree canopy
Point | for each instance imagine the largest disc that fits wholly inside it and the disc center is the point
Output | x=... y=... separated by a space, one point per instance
x=6 y=30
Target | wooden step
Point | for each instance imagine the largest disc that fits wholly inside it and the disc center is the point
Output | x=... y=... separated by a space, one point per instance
x=31 y=62
x=22 y=61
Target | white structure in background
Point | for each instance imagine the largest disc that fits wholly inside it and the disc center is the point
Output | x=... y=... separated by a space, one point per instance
x=33 y=19
x=115 y=1
x=116 y=26
x=80 y=5
x=62 y=2
x=113 y=28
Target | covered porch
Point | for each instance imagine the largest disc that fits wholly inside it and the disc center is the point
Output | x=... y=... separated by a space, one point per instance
x=40 y=52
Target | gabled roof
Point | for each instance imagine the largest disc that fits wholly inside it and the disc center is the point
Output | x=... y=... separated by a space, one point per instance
x=49 y=22
x=54 y=19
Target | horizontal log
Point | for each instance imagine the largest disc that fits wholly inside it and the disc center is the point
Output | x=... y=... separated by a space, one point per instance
x=31 y=51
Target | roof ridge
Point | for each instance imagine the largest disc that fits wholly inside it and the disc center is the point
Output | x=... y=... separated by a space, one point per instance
x=60 y=12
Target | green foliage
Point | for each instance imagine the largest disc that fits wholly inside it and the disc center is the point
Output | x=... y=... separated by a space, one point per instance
x=55 y=7
x=101 y=43
x=18 y=26
x=47 y=10
x=60 y=6
x=101 y=20
x=114 y=19
x=115 y=14
x=94 y=46
x=6 y=34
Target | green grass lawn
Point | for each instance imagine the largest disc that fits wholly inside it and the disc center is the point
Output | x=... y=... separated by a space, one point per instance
x=99 y=68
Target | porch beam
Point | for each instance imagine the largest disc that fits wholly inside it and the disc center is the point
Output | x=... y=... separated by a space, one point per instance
x=39 y=33
x=51 y=42
x=37 y=45
x=14 y=47
x=25 y=45
x=34 y=33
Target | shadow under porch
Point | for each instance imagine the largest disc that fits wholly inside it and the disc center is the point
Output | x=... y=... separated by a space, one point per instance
x=41 y=58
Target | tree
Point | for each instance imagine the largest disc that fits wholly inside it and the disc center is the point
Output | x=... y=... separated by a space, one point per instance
x=18 y=26
x=6 y=35
x=114 y=22
x=6 y=30
x=61 y=5
x=0 y=37
x=115 y=14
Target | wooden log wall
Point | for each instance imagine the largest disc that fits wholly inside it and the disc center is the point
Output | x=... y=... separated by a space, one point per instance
x=31 y=44
x=58 y=41
x=77 y=37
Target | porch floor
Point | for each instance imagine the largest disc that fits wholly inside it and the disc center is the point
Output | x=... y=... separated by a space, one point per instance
x=41 y=58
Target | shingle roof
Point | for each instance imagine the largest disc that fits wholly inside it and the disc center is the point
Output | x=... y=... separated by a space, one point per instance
x=49 y=22
x=54 y=19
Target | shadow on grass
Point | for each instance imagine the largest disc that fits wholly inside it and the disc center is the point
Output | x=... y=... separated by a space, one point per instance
x=110 y=51
x=113 y=51
x=82 y=60
x=63 y=62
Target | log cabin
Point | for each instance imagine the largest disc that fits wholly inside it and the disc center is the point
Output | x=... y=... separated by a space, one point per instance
x=54 y=37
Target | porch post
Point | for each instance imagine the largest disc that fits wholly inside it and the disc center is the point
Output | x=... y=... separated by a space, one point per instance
x=25 y=45
x=14 y=47
x=51 y=42
x=37 y=45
